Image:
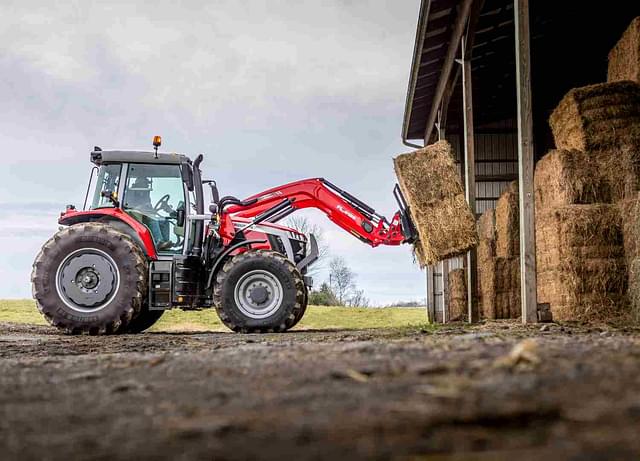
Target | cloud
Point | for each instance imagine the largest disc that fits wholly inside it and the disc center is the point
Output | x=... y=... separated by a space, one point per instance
x=271 y=91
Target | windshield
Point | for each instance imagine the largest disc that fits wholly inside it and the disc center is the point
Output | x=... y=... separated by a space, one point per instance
x=108 y=180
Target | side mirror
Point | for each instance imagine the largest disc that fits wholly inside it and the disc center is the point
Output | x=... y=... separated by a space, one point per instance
x=180 y=217
x=187 y=176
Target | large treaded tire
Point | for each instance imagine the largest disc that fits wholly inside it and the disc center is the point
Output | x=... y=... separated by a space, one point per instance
x=144 y=320
x=127 y=298
x=304 y=308
x=289 y=309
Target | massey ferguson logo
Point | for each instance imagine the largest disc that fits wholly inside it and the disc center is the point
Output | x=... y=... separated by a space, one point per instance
x=347 y=212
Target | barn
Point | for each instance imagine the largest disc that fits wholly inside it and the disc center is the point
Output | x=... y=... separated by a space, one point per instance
x=486 y=76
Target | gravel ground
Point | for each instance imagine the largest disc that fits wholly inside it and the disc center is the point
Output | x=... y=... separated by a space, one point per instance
x=489 y=392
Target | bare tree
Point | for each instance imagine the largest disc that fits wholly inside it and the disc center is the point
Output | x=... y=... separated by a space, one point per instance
x=341 y=279
x=302 y=224
x=358 y=299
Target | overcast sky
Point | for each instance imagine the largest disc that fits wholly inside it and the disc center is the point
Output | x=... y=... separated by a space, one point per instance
x=269 y=91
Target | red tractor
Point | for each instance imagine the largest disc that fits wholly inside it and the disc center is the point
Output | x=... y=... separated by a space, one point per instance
x=145 y=245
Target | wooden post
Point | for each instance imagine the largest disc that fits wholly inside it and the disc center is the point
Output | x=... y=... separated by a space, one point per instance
x=469 y=178
x=431 y=307
x=445 y=290
x=525 y=164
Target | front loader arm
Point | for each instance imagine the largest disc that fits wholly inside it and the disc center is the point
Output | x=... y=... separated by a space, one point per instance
x=340 y=207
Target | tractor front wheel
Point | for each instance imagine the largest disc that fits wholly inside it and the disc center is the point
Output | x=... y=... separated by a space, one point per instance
x=90 y=279
x=259 y=292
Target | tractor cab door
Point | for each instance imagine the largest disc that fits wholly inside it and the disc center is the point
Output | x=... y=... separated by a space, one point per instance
x=154 y=195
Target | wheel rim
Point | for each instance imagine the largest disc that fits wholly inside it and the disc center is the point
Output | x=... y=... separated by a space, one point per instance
x=258 y=294
x=87 y=280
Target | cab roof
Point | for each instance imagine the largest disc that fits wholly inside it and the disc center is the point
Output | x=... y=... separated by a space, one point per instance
x=127 y=156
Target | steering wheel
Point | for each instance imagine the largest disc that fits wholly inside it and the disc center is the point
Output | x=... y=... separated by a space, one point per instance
x=163 y=203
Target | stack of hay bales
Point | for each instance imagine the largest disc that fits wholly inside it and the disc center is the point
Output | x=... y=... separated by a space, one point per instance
x=581 y=266
x=486 y=254
x=498 y=258
x=457 y=296
x=624 y=58
x=624 y=64
x=431 y=185
x=507 y=262
x=630 y=212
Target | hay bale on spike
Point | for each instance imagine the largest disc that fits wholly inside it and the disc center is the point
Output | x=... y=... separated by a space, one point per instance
x=565 y=177
x=508 y=223
x=457 y=298
x=624 y=58
x=431 y=185
x=598 y=117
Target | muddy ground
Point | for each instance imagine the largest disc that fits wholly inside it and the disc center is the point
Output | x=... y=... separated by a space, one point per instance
x=494 y=391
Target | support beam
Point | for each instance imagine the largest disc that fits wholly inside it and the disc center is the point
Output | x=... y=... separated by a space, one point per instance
x=456 y=35
x=445 y=290
x=431 y=306
x=525 y=164
x=469 y=178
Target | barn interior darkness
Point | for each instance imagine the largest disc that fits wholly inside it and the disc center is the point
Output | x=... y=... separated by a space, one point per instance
x=570 y=41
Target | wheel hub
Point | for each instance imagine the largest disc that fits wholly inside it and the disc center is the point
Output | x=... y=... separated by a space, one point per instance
x=258 y=294
x=87 y=279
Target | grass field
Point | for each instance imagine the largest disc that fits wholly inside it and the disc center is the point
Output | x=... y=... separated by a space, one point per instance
x=316 y=317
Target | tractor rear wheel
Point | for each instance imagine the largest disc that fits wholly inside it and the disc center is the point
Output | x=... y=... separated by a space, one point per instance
x=90 y=279
x=259 y=292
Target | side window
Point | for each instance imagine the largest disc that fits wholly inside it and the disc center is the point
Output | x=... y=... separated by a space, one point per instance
x=108 y=180
x=153 y=195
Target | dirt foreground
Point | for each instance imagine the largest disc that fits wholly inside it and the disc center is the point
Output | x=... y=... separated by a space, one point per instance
x=494 y=391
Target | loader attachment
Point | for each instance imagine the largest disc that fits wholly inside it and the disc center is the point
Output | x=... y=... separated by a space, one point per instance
x=408 y=228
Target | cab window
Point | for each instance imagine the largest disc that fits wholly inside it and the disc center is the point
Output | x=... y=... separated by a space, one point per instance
x=153 y=196
x=108 y=180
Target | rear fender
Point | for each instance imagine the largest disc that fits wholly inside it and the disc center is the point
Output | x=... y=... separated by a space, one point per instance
x=117 y=219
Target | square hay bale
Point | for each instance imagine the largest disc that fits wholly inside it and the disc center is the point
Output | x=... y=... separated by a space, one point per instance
x=508 y=223
x=487 y=225
x=508 y=304
x=564 y=177
x=630 y=218
x=507 y=287
x=596 y=226
x=486 y=257
x=487 y=280
x=619 y=166
x=624 y=58
x=581 y=270
x=598 y=117
x=457 y=296
x=634 y=290
x=431 y=185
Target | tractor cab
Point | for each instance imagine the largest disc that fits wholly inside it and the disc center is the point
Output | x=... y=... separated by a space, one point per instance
x=150 y=189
